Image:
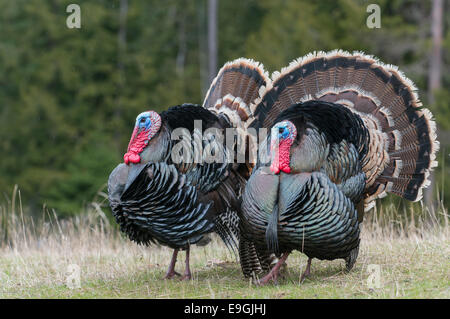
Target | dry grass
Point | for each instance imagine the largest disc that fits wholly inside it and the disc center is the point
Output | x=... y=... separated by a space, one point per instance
x=411 y=248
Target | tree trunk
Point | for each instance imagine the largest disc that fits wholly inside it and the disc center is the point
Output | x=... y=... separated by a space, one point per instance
x=121 y=50
x=212 y=39
x=182 y=46
x=204 y=83
x=434 y=76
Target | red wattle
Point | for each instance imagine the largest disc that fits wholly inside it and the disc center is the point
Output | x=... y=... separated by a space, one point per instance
x=131 y=157
x=137 y=144
x=281 y=159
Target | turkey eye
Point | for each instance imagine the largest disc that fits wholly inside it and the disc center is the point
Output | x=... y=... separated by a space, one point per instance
x=143 y=120
x=281 y=130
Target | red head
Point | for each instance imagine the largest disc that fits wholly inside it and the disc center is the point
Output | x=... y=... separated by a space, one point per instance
x=282 y=137
x=147 y=125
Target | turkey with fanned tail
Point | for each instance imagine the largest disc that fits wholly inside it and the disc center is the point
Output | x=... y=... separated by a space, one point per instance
x=177 y=182
x=345 y=130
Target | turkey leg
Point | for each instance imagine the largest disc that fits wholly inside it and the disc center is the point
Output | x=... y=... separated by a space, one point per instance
x=307 y=271
x=171 y=271
x=275 y=271
x=187 y=271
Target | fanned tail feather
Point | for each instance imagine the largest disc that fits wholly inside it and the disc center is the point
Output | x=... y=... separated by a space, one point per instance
x=237 y=85
x=249 y=260
x=226 y=225
x=403 y=144
x=253 y=261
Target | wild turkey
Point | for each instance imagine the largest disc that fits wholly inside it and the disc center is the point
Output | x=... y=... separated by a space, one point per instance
x=166 y=191
x=346 y=129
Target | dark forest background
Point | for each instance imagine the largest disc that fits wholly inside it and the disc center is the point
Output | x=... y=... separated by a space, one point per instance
x=69 y=97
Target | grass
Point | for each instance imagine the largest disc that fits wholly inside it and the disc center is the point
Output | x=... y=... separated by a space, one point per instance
x=411 y=248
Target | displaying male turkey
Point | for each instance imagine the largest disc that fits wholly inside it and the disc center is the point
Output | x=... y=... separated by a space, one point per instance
x=168 y=191
x=345 y=130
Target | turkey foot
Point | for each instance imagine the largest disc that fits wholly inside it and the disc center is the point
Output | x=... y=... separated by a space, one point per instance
x=283 y=267
x=187 y=272
x=171 y=274
x=307 y=271
x=274 y=272
x=171 y=271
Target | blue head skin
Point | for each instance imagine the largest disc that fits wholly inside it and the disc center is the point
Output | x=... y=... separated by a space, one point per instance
x=147 y=125
x=282 y=131
x=143 y=121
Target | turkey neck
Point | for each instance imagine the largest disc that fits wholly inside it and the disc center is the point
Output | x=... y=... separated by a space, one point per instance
x=158 y=148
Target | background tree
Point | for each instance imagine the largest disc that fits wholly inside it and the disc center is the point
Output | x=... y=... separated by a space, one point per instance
x=69 y=97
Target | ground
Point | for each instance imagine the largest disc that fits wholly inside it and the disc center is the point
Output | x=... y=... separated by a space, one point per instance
x=110 y=266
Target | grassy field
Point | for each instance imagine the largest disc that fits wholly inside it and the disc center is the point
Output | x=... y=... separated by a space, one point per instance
x=413 y=257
